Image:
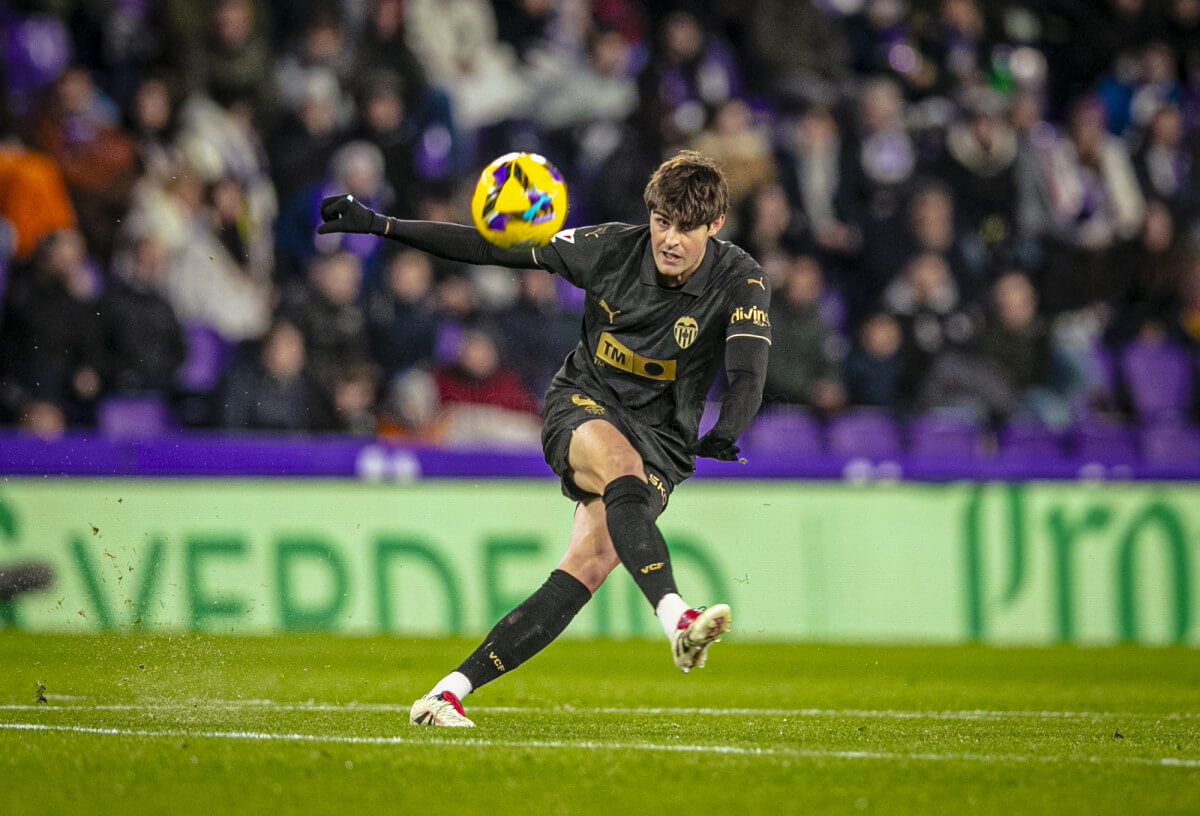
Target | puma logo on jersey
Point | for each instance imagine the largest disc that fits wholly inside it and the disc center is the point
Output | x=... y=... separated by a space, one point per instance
x=758 y=281
x=612 y=313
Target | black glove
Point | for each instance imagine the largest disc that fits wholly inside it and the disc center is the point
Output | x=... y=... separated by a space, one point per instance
x=713 y=447
x=343 y=213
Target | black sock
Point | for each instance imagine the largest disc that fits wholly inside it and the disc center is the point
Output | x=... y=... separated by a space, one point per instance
x=528 y=629
x=631 y=506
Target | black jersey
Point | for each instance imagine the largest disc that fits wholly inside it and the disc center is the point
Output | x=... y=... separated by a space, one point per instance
x=654 y=350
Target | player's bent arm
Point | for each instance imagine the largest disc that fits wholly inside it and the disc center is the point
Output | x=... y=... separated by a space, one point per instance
x=746 y=369
x=454 y=242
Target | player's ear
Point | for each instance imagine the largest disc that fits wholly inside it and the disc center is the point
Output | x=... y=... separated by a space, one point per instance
x=715 y=226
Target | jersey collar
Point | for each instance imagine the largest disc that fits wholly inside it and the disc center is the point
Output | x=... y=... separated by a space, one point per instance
x=695 y=284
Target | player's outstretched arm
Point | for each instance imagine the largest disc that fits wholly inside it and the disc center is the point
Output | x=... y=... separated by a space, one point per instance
x=455 y=242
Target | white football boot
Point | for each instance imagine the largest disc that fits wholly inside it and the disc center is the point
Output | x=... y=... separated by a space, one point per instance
x=697 y=630
x=443 y=709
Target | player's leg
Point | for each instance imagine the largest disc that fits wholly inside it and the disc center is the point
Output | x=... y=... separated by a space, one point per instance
x=530 y=627
x=603 y=461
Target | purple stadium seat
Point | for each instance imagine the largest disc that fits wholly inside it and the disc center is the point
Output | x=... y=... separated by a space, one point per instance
x=445 y=347
x=1105 y=442
x=864 y=433
x=134 y=416
x=832 y=308
x=1159 y=378
x=1029 y=442
x=784 y=428
x=943 y=435
x=1172 y=446
x=207 y=353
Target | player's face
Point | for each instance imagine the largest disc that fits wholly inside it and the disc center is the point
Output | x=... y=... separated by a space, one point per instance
x=678 y=252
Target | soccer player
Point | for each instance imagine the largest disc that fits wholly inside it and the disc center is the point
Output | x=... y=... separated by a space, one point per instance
x=665 y=303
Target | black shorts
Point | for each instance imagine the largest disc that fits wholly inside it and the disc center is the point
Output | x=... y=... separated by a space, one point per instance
x=566 y=408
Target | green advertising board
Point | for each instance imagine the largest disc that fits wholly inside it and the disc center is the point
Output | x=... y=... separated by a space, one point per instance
x=999 y=563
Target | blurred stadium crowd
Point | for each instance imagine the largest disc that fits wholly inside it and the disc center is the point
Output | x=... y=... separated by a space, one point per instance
x=988 y=208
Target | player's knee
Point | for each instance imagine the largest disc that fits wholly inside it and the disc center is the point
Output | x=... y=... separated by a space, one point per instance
x=622 y=463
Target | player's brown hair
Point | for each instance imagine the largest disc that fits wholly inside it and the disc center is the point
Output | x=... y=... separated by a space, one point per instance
x=688 y=188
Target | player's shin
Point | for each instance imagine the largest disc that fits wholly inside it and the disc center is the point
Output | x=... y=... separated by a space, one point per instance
x=526 y=630
x=631 y=507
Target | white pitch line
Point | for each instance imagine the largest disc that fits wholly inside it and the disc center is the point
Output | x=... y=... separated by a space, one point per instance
x=591 y=745
x=965 y=715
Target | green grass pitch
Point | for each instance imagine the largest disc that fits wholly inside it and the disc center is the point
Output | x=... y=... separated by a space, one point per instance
x=318 y=724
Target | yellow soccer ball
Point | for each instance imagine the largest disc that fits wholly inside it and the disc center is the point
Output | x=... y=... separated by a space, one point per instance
x=520 y=201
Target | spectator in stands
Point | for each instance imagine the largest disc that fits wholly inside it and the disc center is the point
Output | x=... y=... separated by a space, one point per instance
x=478 y=378
x=694 y=72
x=805 y=372
x=799 y=50
x=931 y=227
x=80 y=128
x=743 y=150
x=382 y=123
x=980 y=166
x=412 y=410
x=1158 y=263
x=824 y=183
x=959 y=51
x=536 y=332
x=593 y=94
x=273 y=390
x=319 y=46
x=219 y=242
x=402 y=314
x=456 y=42
x=1017 y=342
x=384 y=47
x=767 y=225
x=152 y=119
x=49 y=333
x=872 y=370
x=1168 y=165
x=888 y=158
x=327 y=312
x=1096 y=205
x=924 y=301
x=354 y=388
x=43 y=418
x=429 y=121
x=231 y=59
x=356 y=168
x=141 y=340
x=307 y=136
x=33 y=196
x=883 y=43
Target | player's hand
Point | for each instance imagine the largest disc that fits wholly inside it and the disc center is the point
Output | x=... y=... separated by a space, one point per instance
x=344 y=213
x=714 y=447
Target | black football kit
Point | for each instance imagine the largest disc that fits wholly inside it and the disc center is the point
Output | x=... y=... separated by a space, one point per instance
x=647 y=358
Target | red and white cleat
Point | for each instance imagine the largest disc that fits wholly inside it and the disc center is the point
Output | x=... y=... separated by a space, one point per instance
x=444 y=709
x=697 y=630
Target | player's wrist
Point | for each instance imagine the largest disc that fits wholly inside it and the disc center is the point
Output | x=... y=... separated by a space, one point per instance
x=380 y=224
